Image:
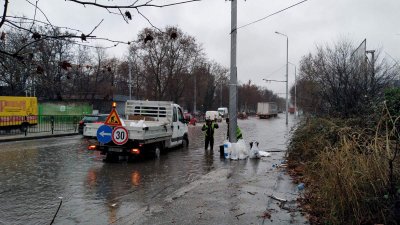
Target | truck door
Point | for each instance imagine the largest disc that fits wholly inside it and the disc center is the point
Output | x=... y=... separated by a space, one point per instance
x=182 y=125
x=175 y=127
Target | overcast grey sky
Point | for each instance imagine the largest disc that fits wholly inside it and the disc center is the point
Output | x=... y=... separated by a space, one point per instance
x=261 y=53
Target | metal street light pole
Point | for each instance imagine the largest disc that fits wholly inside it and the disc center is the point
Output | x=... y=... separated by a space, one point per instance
x=130 y=79
x=287 y=73
x=295 y=91
x=220 y=94
x=233 y=77
x=195 y=96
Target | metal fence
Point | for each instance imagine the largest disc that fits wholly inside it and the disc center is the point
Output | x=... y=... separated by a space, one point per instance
x=17 y=125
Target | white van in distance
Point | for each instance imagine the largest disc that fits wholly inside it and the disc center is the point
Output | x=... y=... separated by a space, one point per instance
x=223 y=112
x=213 y=115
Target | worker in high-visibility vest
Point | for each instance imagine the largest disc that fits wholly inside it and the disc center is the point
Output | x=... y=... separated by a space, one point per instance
x=238 y=131
x=208 y=129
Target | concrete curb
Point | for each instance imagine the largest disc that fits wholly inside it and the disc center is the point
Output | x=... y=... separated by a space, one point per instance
x=35 y=137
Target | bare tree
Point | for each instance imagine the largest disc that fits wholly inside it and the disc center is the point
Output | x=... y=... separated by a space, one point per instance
x=14 y=75
x=335 y=82
x=72 y=33
x=165 y=59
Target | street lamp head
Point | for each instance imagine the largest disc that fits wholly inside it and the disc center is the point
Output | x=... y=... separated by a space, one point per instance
x=276 y=32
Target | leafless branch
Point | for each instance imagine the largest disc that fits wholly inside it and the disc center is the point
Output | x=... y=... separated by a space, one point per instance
x=95 y=27
x=34 y=16
x=4 y=66
x=149 y=21
x=132 y=6
x=123 y=17
x=93 y=46
x=41 y=22
x=36 y=7
x=64 y=37
x=109 y=11
x=8 y=54
x=4 y=13
x=66 y=33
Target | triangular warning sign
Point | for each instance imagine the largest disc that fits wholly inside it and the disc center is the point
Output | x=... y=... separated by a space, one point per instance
x=113 y=119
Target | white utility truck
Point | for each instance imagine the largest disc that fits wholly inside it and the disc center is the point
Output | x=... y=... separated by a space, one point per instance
x=149 y=127
x=266 y=110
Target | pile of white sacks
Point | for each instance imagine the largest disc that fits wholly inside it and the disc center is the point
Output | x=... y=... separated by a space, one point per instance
x=239 y=150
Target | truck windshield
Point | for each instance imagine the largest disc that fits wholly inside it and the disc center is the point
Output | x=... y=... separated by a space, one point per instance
x=180 y=115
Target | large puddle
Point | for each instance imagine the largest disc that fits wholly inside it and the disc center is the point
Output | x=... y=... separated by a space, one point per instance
x=35 y=174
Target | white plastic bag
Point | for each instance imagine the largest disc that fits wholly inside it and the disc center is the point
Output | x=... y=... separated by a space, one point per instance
x=234 y=151
x=254 y=151
x=140 y=123
x=241 y=149
x=264 y=154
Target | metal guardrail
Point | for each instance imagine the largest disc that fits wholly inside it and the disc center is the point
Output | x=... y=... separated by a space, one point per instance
x=12 y=125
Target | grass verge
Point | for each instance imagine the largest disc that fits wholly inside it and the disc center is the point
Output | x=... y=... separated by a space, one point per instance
x=350 y=170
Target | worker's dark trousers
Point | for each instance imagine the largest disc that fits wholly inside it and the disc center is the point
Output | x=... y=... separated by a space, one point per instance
x=209 y=140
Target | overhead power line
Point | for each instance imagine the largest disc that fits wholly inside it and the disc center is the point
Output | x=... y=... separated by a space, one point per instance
x=271 y=14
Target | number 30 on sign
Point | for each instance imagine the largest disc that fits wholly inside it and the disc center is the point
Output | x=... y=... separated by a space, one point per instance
x=120 y=135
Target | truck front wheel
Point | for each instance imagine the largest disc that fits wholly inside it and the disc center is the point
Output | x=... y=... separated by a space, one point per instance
x=185 y=141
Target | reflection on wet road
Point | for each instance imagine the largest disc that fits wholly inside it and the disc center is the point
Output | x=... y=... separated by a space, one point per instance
x=33 y=174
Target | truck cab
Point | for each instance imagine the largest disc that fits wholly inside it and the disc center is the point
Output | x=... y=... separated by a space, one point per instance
x=179 y=126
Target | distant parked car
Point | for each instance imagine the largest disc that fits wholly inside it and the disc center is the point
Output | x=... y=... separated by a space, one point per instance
x=99 y=118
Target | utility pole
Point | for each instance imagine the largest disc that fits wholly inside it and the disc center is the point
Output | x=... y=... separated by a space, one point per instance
x=372 y=52
x=220 y=94
x=287 y=76
x=130 y=80
x=233 y=78
x=295 y=92
x=287 y=73
x=194 y=97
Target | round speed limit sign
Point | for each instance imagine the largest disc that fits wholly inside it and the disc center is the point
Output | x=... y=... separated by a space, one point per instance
x=120 y=135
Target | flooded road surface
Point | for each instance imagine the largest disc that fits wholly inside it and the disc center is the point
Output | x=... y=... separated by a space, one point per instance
x=35 y=174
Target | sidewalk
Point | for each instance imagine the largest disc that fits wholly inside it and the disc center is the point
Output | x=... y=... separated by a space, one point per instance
x=243 y=192
x=30 y=136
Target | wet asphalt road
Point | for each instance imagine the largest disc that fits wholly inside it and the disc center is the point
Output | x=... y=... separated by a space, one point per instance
x=35 y=173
